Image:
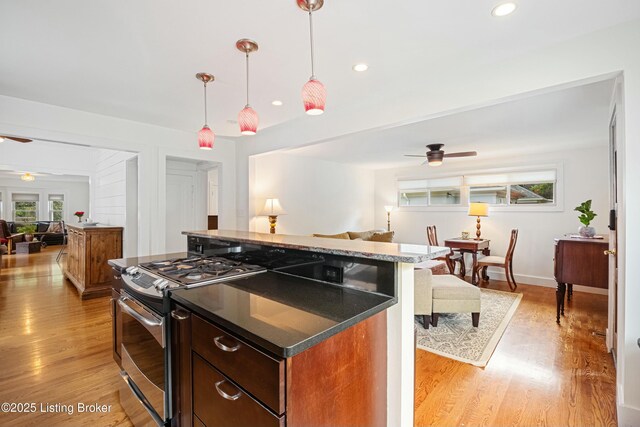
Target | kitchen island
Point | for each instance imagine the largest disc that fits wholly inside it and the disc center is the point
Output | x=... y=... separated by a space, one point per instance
x=394 y=257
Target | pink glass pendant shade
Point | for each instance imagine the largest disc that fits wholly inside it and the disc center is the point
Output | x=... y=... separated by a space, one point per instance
x=314 y=97
x=248 y=121
x=206 y=138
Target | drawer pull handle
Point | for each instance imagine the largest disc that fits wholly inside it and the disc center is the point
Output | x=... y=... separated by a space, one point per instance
x=224 y=347
x=225 y=395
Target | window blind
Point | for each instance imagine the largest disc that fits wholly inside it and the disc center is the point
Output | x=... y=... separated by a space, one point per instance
x=25 y=197
x=421 y=184
x=511 y=178
x=53 y=197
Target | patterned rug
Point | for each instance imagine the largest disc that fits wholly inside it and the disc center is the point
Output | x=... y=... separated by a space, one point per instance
x=457 y=339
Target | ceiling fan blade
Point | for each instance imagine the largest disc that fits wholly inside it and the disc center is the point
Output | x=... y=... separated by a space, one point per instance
x=462 y=154
x=415 y=155
x=16 y=139
x=426 y=162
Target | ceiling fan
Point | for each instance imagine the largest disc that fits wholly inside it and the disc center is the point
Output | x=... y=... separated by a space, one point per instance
x=3 y=137
x=435 y=155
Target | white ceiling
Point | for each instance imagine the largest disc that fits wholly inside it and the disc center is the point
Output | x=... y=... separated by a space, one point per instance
x=137 y=59
x=565 y=119
x=42 y=176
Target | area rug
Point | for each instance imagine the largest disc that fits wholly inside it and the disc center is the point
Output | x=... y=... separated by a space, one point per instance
x=456 y=338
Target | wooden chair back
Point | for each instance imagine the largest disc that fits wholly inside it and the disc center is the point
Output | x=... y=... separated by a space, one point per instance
x=432 y=235
x=512 y=245
x=4 y=229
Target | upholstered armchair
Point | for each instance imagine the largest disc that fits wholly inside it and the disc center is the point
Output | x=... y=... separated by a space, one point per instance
x=444 y=294
x=9 y=239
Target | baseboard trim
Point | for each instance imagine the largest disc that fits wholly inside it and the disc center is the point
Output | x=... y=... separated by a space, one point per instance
x=546 y=282
x=628 y=416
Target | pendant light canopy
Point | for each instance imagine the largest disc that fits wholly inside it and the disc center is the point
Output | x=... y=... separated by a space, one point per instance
x=247 y=118
x=206 y=135
x=314 y=95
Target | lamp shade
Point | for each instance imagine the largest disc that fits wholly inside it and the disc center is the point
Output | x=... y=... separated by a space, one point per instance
x=478 y=209
x=314 y=97
x=206 y=138
x=272 y=208
x=248 y=121
x=388 y=208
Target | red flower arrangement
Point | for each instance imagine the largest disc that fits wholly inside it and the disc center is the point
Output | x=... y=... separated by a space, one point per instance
x=79 y=214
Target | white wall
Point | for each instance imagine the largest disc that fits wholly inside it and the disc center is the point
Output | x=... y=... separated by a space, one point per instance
x=318 y=196
x=76 y=195
x=584 y=175
x=153 y=144
x=109 y=194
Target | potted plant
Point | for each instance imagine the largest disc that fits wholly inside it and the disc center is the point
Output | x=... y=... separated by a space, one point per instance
x=28 y=231
x=586 y=216
x=79 y=214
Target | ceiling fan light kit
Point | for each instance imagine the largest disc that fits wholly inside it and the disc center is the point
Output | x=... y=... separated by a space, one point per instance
x=314 y=94
x=206 y=137
x=247 y=118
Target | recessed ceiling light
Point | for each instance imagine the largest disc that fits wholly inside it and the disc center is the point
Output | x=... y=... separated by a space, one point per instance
x=503 y=9
x=277 y=103
x=1 y=139
x=360 y=67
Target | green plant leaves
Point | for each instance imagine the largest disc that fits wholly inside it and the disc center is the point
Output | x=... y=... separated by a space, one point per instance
x=587 y=215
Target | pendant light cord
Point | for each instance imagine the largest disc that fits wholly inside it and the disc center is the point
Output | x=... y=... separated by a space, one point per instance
x=205 y=103
x=313 y=74
x=247 y=55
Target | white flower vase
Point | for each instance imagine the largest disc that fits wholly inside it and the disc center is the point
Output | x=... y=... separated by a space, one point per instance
x=586 y=231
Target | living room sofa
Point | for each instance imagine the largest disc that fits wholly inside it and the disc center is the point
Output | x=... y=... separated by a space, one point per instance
x=369 y=235
x=49 y=232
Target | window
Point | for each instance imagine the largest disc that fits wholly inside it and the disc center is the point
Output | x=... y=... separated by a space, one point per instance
x=56 y=207
x=513 y=188
x=25 y=207
x=429 y=192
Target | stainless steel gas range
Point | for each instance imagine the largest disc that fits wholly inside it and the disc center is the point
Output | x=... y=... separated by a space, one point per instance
x=145 y=333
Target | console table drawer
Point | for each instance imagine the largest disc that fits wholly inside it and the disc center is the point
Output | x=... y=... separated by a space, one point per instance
x=258 y=373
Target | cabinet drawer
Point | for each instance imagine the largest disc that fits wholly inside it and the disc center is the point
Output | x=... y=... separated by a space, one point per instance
x=218 y=402
x=258 y=373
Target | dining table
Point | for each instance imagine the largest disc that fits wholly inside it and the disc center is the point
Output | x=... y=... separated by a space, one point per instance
x=470 y=246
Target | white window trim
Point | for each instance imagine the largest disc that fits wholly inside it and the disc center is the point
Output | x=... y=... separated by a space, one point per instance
x=557 y=206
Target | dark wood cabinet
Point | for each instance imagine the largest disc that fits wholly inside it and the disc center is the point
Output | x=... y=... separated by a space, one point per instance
x=221 y=379
x=88 y=250
x=579 y=262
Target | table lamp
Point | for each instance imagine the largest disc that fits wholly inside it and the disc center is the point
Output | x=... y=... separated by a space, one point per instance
x=388 y=208
x=478 y=209
x=272 y=209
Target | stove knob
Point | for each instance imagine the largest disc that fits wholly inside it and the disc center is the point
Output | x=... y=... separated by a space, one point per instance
x=161 y=285
x=132 y=271
x=157 y=282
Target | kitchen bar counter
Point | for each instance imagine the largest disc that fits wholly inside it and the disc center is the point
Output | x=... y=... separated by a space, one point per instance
x=283 y=314
x=394 y=252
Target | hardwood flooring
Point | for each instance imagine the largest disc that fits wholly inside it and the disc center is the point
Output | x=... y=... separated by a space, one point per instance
x=56 y=348
x=541 y=374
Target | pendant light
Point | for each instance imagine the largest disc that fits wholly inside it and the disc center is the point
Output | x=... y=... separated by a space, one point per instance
x=314 y=95
x=247 y=118
x=206 y=135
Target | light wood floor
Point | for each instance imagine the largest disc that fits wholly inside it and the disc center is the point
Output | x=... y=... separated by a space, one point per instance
x=55 y=348
x=541 y=374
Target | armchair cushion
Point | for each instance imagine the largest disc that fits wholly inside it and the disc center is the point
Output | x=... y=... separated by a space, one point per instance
x=344 y=236
x=382 y=237
x=493 y=259
x=422 y=301
x=450 y=287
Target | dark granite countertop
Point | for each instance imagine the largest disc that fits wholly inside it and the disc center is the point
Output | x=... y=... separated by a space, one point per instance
x=394 y=252
x=283 y=314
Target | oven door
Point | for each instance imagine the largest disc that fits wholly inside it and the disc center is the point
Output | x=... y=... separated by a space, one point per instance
x=143 y=394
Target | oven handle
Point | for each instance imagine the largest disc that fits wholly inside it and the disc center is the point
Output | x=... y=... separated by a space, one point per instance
x=143 y=400
x=139 y=317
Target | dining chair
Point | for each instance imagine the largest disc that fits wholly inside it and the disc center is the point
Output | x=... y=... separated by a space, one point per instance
x=451 y=258
x=505 y=262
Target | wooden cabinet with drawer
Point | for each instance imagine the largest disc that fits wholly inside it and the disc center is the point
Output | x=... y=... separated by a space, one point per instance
x=232 y=382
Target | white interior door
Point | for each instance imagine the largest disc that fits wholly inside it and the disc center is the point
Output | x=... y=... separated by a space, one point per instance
x=181 y=210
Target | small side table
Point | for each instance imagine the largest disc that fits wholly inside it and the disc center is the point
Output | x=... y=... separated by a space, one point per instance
x=28 y=247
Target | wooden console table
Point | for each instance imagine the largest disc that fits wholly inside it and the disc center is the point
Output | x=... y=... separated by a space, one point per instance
x=88 y=250
x=470 y=246
x=579 y=262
